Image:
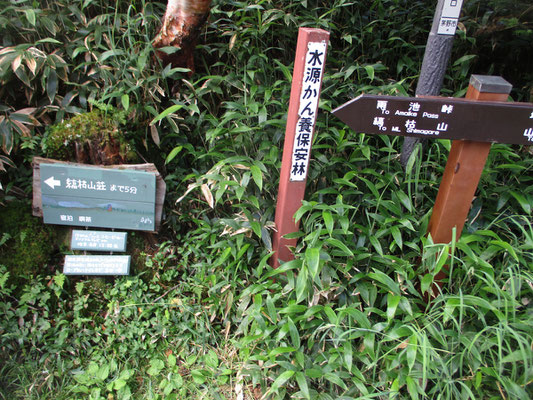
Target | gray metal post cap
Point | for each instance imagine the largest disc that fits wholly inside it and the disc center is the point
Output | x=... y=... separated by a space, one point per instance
x=490 y=84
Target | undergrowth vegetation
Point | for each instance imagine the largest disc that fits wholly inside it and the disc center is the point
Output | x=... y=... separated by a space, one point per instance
x=206 y=317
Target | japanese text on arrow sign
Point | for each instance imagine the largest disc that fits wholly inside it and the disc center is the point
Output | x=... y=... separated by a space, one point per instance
x=440 y=118
x=314 y=62
x=98 y=197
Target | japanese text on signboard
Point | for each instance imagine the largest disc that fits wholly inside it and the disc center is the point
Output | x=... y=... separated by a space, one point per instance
x=309 y=96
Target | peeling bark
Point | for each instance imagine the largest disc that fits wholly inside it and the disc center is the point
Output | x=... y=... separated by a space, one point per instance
x=182 y=23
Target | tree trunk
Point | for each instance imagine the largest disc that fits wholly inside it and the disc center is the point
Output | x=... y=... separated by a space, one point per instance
x=181 y=26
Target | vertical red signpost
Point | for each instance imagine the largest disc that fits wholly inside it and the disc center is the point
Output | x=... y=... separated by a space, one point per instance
x=303 y=108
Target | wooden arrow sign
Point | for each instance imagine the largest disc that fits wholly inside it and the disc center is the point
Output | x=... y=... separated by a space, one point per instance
x=440 y=118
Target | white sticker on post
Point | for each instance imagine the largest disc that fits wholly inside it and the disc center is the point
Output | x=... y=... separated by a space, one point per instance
x=309 y=96
x=449 y=18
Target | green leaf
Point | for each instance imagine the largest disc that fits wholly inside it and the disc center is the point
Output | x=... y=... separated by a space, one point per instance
x=293 y=333
x=302 y=384
x=312 y=259
x=337 y=243
x=257 y=175
x=301 y=284
x=397 y=236
x=523 y=201
x=411 y=351
x=51 y=85
x=328 y=220
x=425 y=282
x=175 y=151
x=370 y=71
x=281 y=379
x=392 y=305
x=166 y=112
x=386 y=280
x=30 y=16
x=111 y=53
x=335 y=379
x=412 y=387
x=375 y=243
x=125 y=100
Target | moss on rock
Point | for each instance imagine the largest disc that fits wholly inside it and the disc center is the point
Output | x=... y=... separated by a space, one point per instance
x=90 y=138
x=31 y=244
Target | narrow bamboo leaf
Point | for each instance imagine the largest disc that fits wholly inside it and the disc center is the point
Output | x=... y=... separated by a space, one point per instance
x=110 y=53
x=166 y=112
x=412 y=387
x=337 y=243
x=125 y=100
x=377 y=246
x=397 y=236
x=335 y=379
x=312 y=259
x=302 y=383
x=30 y=15
x=175 y=151
x=257 y=176
x=392 y=305
x=425 y=282
x=411 y=351
x=328 y=220
x=293 y=333
x=51 y=85
x=281 y=379
x=386 y=280
x=301 y=284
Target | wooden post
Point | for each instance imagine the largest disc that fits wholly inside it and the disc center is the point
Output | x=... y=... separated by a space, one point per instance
x=303 y=107
x=463 y=169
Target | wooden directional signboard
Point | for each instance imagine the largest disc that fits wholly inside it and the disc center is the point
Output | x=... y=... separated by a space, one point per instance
x=98 y=197
x=440 y=118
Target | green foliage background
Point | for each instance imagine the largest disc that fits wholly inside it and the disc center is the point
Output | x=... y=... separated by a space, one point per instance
x=205 y=316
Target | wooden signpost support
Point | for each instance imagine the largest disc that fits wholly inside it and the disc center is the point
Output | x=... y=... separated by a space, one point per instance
x=474 y=123
x=303 y=107
x=463 y=170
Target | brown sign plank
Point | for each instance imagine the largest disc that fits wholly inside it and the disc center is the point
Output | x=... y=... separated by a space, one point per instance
x=440 y=118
